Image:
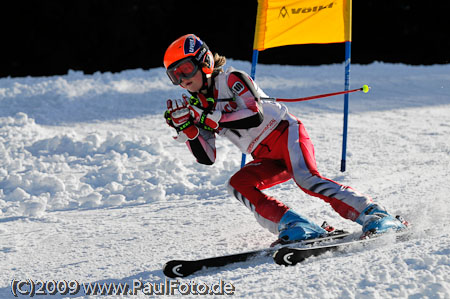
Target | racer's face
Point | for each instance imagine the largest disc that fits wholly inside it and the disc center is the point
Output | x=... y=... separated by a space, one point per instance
x=193 y=84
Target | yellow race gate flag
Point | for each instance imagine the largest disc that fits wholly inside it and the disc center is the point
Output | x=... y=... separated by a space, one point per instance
x=290 y=22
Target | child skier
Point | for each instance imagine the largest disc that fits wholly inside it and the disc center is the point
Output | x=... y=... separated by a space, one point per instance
x=228 y=103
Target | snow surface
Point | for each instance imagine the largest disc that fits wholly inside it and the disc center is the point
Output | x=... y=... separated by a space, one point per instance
x=93 y=188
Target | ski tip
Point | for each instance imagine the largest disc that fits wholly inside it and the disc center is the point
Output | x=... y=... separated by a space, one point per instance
x=173 y=269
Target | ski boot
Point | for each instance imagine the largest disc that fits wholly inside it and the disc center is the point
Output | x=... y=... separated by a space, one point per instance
x=294 y=227
x=376 y=220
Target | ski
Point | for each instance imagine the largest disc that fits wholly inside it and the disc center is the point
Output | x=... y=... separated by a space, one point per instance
x=183 y=268
x=289 y=256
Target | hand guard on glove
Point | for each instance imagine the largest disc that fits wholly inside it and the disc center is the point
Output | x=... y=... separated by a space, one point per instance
x=203 y=113
x=179 y=117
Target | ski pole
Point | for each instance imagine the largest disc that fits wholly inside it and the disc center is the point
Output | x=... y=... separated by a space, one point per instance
x=364 y=88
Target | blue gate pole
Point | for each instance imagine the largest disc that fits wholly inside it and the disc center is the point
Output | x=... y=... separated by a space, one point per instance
x=348 y=47
x=252 y=74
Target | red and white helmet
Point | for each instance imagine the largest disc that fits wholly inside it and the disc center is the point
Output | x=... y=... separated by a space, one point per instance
x=185 y=55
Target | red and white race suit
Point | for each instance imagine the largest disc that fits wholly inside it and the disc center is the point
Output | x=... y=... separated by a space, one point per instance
x=279 y=145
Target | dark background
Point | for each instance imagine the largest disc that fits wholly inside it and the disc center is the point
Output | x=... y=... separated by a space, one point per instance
x=49 y=37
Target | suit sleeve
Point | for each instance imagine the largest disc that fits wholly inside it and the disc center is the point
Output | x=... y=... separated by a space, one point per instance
x=203 y=147
x=250 y=113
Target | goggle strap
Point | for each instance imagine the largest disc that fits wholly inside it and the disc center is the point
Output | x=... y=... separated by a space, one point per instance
x=201 y=53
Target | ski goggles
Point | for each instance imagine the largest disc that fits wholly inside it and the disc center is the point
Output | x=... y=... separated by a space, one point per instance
x=184 y=69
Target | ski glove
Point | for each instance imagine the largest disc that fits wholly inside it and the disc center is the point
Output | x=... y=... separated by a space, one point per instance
x=202 y=109
x=178 y=116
